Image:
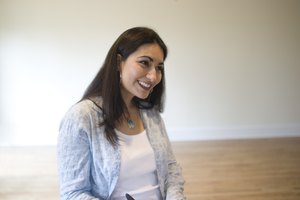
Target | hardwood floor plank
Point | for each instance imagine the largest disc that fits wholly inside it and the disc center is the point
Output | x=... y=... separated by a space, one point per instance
x=257 y=169
x=241 y=169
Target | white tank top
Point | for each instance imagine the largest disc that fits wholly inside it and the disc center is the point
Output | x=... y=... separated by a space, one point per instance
x=138 y=170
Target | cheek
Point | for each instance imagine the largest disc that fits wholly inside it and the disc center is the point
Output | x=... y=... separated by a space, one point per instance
x=159 y=77
x=134 y=74
x=129 y=73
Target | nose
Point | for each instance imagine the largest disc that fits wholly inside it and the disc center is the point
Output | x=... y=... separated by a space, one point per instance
x=151 y=75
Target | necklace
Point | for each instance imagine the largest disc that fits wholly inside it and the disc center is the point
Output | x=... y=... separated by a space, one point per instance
x=130 y=123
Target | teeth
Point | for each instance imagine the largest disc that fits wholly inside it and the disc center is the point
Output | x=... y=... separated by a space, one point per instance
x=147 y=85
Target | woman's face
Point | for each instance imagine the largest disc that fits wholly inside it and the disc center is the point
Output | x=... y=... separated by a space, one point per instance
x=141 y=71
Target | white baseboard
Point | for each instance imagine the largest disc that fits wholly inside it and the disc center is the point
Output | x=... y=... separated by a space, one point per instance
x=193 y=134
x=188 y=134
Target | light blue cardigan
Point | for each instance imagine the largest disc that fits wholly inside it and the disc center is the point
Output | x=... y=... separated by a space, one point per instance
x=89 y=165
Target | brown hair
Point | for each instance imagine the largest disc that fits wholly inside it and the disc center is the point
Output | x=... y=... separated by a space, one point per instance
x=107 y=81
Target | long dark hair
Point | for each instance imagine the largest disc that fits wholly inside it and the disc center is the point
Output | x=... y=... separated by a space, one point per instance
x=106 y=83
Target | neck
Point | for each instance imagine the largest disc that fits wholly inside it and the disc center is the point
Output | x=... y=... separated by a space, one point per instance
x=132 y=115
x=127 y=98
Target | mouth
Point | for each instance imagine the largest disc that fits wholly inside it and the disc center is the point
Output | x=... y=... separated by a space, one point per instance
x=144 y=85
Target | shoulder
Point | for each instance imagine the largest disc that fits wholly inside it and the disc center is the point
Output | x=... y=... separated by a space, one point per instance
x=152 y=117
x=151 y=114
x=83 y=112
x=86 y=107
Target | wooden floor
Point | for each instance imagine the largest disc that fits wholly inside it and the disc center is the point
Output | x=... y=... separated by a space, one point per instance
x=262 y=169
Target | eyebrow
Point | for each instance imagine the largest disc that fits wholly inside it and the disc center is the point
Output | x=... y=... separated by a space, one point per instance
x=151 y=59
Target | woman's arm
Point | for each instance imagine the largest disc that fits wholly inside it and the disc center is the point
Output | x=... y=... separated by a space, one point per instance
x=74 y=158
x=175 y=181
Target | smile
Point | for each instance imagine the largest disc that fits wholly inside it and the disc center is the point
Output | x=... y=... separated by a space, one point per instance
x=144 y=85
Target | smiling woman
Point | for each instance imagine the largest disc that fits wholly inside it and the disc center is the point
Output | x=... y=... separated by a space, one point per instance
x=114 y=142
x=141 y=72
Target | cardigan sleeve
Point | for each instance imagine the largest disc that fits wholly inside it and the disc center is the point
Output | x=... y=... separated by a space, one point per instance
x=175 y=181
x=74 y=157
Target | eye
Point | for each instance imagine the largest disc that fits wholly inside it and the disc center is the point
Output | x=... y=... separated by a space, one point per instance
x=145 y=63
x=160 y=67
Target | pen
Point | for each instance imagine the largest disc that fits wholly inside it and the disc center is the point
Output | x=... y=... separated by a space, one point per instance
x=128 y=197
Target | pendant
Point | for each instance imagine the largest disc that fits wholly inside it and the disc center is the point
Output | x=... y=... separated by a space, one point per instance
x=130 y=123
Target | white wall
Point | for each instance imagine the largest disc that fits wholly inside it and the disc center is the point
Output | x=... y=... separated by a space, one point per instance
x=233 y=70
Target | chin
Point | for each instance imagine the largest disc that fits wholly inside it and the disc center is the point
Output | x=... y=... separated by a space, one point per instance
x=143 y=96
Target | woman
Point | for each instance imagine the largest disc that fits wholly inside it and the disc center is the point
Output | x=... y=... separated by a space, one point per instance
x=113 y=141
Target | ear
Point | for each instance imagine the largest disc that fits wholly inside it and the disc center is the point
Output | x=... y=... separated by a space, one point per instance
x=120 y=62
